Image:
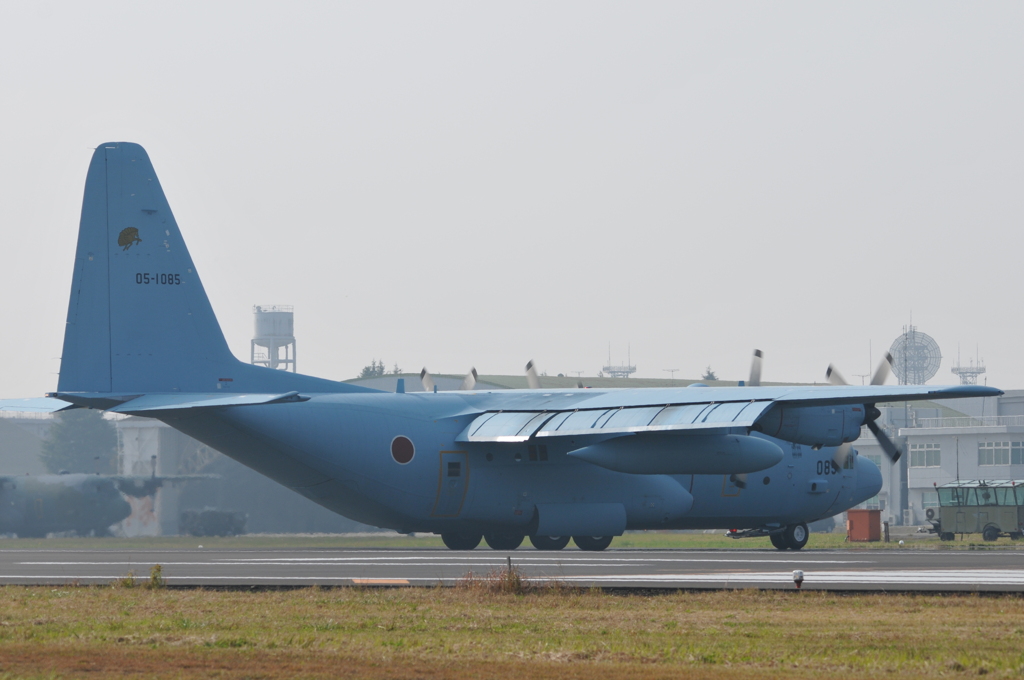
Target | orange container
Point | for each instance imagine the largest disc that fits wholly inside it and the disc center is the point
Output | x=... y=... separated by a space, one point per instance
x=863 y=525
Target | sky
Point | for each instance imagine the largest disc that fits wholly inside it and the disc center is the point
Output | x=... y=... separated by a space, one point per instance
x=479 y=184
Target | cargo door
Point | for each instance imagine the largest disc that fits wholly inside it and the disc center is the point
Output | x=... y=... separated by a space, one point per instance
x=452 y=485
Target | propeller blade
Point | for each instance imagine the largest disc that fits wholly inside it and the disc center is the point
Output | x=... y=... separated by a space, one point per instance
x=842 y=454
x=755 y=369
x=887 y=444
x=882 y=372
x=579 y=385
x=834 y=377
x=428 y=382
x=740 y=480
x=470 y=380
x=531 y=376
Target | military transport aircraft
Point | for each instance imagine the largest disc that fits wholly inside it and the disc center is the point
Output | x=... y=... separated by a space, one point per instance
x=37 y=505
x=142 y=339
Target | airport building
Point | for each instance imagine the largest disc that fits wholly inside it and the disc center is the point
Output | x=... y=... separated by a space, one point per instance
x=962 y=439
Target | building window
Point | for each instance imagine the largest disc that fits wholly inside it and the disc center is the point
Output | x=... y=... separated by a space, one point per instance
x=872 y=503
x=996 y=453
x=925 y=455
x=930 y=499
x=875 y=458
x=1016 y=453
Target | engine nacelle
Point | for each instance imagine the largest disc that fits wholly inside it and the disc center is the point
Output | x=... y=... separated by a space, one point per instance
x=813 y=425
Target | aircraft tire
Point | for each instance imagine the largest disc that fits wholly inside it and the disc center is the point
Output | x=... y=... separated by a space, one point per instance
x=796 y=536
x=594 y=543
x=461 y=541
x=504 y=541
x=779 y=541
x=549 y=542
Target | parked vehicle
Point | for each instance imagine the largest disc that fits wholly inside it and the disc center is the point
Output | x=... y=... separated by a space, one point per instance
x=992 y=508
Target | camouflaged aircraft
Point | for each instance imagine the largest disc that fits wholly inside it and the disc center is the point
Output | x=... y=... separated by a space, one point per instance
x=549 y=464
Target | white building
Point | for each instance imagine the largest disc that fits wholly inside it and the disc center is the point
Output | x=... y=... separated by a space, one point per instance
x=961 y=439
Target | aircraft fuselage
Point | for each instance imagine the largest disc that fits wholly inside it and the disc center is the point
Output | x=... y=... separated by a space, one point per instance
x=337 y=451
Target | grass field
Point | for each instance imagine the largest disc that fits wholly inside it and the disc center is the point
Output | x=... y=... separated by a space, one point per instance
x=473 y=631
x=651 y=539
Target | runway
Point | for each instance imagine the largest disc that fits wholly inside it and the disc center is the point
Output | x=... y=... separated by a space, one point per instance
x=968 y=571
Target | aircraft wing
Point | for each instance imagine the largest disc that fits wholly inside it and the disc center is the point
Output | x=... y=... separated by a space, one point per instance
x=685 y=410
x=139 y=486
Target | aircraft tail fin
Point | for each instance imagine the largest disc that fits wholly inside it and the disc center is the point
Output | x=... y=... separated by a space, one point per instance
x=139 y=319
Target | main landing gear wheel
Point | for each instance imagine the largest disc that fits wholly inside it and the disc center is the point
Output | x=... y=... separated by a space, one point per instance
x=594 y=543
x=504 y=541
x=779 y=541
x=461 y=541
x=796 y=536
x=549 y=542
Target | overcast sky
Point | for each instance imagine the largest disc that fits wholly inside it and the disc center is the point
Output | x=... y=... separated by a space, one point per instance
x=478 y=184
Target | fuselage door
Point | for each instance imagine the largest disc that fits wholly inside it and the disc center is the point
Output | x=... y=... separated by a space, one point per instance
x=452 y=485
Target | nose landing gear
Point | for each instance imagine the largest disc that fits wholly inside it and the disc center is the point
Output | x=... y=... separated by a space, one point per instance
x=793 y=537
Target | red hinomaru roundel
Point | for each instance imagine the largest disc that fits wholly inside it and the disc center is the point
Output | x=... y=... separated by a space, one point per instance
x=402 y=449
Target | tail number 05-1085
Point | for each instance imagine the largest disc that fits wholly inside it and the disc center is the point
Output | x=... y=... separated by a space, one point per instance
x=162 y=279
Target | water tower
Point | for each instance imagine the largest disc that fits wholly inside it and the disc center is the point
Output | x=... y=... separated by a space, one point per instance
x=274 y=344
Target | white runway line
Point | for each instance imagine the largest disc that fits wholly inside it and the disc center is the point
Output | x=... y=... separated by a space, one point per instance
x=902 y=577
x=976 y=577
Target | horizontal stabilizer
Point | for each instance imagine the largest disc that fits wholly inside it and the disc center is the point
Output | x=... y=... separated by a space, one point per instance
x=174 y=402
x=36 y=405
x=148 y=404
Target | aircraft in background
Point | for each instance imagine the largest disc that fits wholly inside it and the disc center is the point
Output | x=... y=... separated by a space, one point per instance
x=86 y=504
x=142 y=339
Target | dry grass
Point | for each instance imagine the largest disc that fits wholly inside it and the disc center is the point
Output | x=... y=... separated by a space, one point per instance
x=500 y=626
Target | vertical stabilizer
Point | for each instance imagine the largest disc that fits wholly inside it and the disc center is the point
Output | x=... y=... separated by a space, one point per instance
x=139 y=319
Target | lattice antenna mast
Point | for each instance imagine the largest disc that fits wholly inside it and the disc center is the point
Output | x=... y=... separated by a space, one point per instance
x=968 y=374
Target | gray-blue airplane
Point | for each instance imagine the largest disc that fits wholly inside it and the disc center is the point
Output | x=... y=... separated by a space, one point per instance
x=142 y=339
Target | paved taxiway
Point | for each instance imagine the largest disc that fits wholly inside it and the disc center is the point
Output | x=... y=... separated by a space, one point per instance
x=986 y=570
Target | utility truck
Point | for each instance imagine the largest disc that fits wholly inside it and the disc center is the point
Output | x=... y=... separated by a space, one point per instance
x=992 y=508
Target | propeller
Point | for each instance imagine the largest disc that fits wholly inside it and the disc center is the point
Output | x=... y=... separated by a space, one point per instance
x=842 y=454
x=883 y=370
x=755 y=369
x=531 y=376
x=887 y=444
x=469 y=382
x=834 y=377
x=871 y=413
x=428 y=382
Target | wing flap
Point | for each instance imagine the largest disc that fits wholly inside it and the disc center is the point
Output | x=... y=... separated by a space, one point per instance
x=520 y=426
